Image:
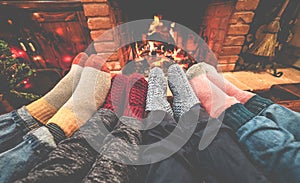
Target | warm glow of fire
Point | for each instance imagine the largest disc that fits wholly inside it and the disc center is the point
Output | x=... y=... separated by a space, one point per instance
x=156 y=20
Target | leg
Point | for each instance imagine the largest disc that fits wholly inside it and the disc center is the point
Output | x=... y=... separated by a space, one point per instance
x=13 y=126
x=73 y=157
x=17 y=161
x=273 y=148
x=282 y=116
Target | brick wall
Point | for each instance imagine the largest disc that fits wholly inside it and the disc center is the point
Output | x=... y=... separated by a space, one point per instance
x=227 y=25
x=100 y=17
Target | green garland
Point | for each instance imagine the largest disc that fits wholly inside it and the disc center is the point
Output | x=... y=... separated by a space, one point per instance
x=13 y=73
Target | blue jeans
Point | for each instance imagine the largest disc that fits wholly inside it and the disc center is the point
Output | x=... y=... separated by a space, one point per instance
x=13 y=126
x=18 y=161
x=270 y=144
x=282 y=116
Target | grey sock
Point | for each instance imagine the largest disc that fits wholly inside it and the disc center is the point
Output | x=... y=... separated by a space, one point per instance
x=157 y=92
x=184 y=96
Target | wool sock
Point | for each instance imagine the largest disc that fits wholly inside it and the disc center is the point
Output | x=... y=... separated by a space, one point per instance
x=88 y=96
x=136 y=93
x=157 y=92
x=44 y=108
x=184 y=96
x=222 y=83
x=114 y=99
x=214 y=100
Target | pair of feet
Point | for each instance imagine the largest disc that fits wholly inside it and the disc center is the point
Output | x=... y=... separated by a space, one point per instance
x=183 y=96
x=75 y=98
x=215 y=93
x=127 y=95
x=200 y=84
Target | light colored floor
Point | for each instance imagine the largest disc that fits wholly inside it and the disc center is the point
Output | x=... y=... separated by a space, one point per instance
x=248 y=80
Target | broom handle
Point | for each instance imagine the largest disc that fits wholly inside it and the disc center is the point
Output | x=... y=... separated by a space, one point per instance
x=283 y=8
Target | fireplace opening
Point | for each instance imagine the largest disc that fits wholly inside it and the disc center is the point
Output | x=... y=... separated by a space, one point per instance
x=208 y=19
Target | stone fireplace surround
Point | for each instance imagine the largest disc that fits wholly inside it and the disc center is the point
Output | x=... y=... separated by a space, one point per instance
x=227 y=22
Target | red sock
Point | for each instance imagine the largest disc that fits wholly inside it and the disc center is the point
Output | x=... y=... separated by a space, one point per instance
x=136 y=93
x=114 y=99
x=214 y=100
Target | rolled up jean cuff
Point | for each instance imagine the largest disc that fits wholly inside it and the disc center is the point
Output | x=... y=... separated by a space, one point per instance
x=257 y=104
x=23 y=117
x=236 y=116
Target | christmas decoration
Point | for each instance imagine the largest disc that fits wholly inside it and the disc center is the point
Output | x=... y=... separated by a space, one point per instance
x=13 y=74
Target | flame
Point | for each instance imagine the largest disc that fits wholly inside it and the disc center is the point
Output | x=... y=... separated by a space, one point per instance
x=156 y=20
x=151 y=44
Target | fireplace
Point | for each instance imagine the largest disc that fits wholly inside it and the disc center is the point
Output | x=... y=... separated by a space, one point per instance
x=223 y=24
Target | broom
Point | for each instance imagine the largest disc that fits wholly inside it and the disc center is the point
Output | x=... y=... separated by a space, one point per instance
x=266 y=44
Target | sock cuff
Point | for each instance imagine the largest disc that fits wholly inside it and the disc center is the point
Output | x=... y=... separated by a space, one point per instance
x=66 y=120
x=257 y=104
x=41 y=110
x=56 y=132
x=135 y=112
x=236 y=116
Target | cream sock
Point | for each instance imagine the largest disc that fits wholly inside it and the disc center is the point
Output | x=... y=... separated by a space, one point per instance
x=44 y=108
x=88 y=96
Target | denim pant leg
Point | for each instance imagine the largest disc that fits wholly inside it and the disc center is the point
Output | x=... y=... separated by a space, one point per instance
x=273 y=148
x=284 y=117
x=13 y=126
x=18 y=161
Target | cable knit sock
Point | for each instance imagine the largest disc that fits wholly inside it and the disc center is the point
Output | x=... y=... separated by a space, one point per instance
x=184 y=96
x=44 y=108
x=214 y=100
x=157 y=92
x=88 y=96
x=136 y=93
x=114 y=99
x=221 y=82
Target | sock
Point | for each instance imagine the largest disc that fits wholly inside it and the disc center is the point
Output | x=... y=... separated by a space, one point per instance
x=214 y=100
x=88 y=96
x=184 y=96
x=157 y=92
x=222 y=83
x=44 y=108
x=114 y=99
x=136 y=93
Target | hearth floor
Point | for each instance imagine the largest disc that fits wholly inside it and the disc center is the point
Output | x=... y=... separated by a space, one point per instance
x=248 y=80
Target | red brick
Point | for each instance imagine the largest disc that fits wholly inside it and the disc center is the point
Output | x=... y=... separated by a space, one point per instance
x=96 y=9
x=105 y=47
x=238 y=29
x=231 y=50
x=234 y=41
x=246 y=5
x=223 y=10
x=225 y=67
x=242 y=17
x=95 y=35
x=228 y=59
x=99 y=23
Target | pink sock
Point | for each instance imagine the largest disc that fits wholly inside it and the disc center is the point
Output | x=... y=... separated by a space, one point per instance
x=222 y=83
x=214 y=100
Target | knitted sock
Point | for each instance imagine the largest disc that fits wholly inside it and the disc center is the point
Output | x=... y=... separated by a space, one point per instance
x=157 y=92
x=184 y=96
x=44 y=108
x=214 y=100
x=114 y=99
x=136 y=93
x=88 y=96
x=222 y=83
